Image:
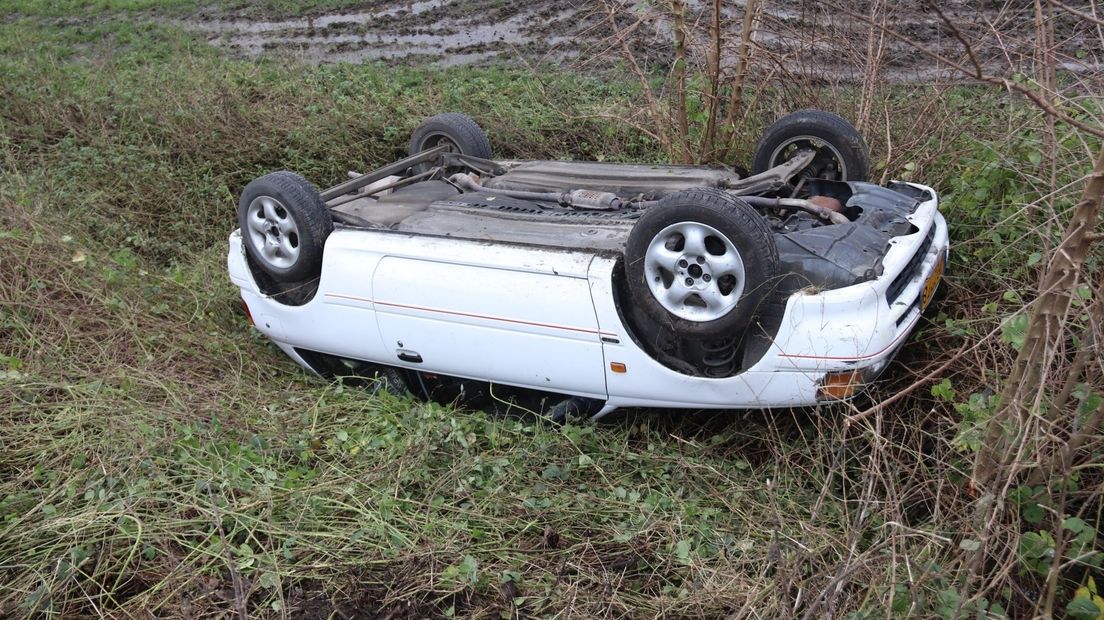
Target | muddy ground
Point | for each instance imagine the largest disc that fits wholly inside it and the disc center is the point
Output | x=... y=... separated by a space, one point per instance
x=441 y=32
x=792 y=35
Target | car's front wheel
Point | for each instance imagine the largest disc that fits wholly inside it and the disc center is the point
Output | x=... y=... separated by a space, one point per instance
x=700 y=262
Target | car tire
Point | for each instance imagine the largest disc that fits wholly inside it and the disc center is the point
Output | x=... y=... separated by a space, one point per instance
x=284 y=224
x=458 y=132
x=572 y=408
x=700 y=262
x=842 y=154
x=390 y=380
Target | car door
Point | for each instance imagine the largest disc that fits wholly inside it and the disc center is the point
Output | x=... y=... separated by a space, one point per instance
x=524 y=318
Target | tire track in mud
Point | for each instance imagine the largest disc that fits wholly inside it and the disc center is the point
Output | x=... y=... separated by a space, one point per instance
x=811 y=39
x=442 y=32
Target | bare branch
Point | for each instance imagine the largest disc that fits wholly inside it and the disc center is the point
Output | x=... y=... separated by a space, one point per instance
x=742 y=57
x=1081 y=14
x=1041 y=102
x=645 y=87
x=963 y=350
x=957 y=34
x=716 y=40
x=678 y=9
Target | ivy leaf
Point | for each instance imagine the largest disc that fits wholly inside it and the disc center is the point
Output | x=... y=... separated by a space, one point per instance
x=1014 y=330
x=943 y=390
x=1082 y=608
x=682 y=551
x=968 y=544
x=1033 y=514
x=1075 y=524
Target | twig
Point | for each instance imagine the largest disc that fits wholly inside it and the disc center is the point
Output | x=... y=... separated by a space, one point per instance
x=742 y=60
x=646 y=89
x=716 y=39
x=1081 y=14
x=875 y=46
x=956 y=33
x=678 y=8
x=1035 y=97
x=862 y=415
x=235 y=576
x=889 y=148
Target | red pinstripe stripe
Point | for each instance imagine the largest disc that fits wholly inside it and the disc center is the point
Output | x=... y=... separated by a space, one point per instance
x=473 y=315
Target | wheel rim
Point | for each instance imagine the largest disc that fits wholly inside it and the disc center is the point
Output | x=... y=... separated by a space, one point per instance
x=694 y=271
x=827 y=163
x=440 y=139
x=273 y=233
x=433 y=140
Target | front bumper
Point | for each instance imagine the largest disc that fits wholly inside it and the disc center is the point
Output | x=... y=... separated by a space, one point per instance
x=865 y=324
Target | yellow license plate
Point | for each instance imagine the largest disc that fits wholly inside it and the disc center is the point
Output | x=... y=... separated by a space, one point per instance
x=933 y=281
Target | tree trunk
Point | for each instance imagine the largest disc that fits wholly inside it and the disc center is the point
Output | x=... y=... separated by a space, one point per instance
x=1043 y=335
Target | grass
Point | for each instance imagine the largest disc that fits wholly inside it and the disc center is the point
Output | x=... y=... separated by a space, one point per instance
x=158 y=457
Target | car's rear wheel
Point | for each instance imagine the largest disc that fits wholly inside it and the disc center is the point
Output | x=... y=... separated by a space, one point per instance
x=699 y=263
x=284 y=224
x=458 y=133
x=841 y=152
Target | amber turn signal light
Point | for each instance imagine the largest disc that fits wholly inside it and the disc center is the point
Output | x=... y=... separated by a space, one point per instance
x=840 y=385
x=618 y=367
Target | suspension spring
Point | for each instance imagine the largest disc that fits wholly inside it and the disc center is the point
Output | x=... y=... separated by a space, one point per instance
x=719 y=357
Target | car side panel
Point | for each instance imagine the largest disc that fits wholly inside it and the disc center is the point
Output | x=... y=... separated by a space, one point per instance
x=517 y=327
x=505 y=313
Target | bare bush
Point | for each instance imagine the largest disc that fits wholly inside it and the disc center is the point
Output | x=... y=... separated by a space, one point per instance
x=1018 y=413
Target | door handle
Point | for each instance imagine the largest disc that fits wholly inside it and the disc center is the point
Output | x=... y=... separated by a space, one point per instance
x=407 y=355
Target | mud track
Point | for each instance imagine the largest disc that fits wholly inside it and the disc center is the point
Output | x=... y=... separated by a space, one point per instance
x=441 y=32
x=800 y=37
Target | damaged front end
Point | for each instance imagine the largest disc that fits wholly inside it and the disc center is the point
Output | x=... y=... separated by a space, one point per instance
x=846 y=295
x=818 y=256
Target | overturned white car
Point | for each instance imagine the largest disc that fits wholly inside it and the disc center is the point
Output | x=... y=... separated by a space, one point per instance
x=609 y=285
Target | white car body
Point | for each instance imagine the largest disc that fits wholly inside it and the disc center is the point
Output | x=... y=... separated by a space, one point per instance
x=547 y=318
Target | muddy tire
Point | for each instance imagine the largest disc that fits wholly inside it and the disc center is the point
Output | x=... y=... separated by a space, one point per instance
x=842 y=154
x=284 y=224
x=572 y=407
x=700 y=262
x=456 y=131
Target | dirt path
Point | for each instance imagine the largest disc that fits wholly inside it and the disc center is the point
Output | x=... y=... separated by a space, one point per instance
x=810 y=39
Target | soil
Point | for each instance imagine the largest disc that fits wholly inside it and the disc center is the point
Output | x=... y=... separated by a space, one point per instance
x=801 y=37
